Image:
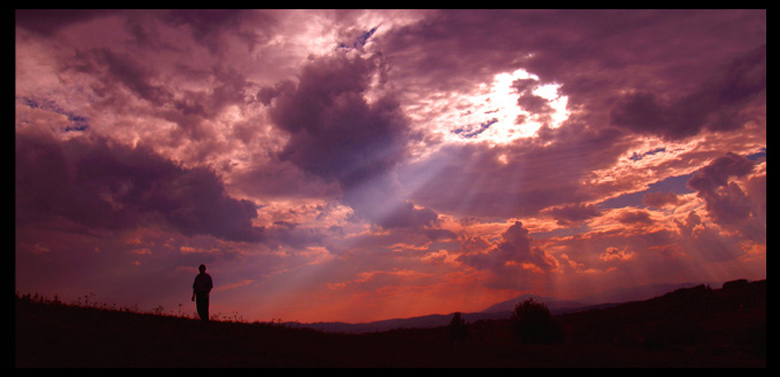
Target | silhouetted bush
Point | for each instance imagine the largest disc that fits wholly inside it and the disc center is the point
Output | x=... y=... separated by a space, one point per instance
x=533 y=323
x=459 y=328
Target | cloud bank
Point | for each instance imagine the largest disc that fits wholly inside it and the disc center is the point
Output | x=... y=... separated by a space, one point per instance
x=357 y=165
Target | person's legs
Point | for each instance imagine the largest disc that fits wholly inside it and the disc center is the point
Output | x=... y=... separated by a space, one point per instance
x=202 y=304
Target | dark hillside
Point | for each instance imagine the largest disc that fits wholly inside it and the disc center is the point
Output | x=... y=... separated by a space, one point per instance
x=695 y=327
x=729 y=321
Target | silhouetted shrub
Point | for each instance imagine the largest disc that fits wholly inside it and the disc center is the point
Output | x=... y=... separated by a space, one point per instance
x=459 y=328
x=533 y=323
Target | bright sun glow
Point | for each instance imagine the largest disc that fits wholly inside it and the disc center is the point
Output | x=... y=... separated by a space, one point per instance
x=514 y=105
x=500 y=116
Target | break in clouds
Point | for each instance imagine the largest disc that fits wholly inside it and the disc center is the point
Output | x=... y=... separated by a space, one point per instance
x=325 y=158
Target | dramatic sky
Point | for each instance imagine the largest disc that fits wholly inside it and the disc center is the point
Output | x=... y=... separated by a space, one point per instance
x=359 y=165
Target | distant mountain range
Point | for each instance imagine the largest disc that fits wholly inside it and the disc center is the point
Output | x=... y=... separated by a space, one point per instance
x=503 y=310
x=614 y=296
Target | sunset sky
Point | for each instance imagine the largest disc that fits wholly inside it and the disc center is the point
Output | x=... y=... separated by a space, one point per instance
x=360 y=165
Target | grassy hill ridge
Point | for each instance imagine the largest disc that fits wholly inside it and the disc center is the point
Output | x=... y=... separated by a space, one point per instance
x=698 y=327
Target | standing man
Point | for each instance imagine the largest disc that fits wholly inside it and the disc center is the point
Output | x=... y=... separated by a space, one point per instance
x=200 y=292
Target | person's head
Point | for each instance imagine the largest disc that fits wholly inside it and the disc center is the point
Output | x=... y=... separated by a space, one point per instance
x=202 y=268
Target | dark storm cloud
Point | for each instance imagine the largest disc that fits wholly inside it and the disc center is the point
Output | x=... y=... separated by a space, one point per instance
x=48 y=21
x=267 y=93
x=717 y=173
x=705 y=242
x=575 y=213
x=713 y=106
x=290 y=234
x=635 y=217
x=188 y=109
x=229 y=87
x=203 y=22
x=660 y=199
x=725 y=200
x=336 y=134
x=529 y=101
x=516 y=246
x=113 y=187
x=507 y=258
x=133 y=75
x=534 y=104
x=405 y=215
x=206 y=25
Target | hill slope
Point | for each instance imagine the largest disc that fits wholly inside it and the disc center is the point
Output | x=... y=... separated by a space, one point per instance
x=503 y=310
x=690 y=327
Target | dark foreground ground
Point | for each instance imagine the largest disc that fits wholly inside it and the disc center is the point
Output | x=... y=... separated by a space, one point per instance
x=696 y=327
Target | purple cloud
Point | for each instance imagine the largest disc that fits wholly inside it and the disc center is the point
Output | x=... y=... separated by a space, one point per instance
x=575 y=213
x=529 y=101
x=726 y=201
x=659 y=199
x=713 y=106
x=717 y=173
x=113 y=187
x=511 y=261
x=702 y=241
x=635 y=217
x=48 y=21
x=336 y=134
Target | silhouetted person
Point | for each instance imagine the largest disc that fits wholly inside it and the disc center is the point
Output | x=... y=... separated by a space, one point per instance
x=200 y=292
